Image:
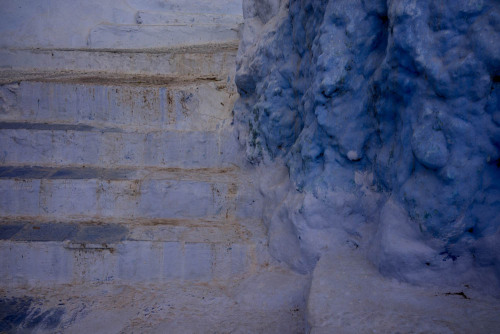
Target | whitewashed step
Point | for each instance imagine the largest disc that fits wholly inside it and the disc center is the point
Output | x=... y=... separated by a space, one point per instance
x=34 y=253
x=161 y=103
x=159 y=36
x=157 y=18
x=173 y=307
x=85 y=195
x=216 y=195
x=232 y=7
x=69 y=145
x=202 y=60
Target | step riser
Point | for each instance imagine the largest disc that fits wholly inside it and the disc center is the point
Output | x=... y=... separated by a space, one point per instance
x=46 y=263
x=112 y=149
x=182 y=18
x=233 y=7
x=197 y=107
x=117 y=199
x=180 y=63
x=142 y=36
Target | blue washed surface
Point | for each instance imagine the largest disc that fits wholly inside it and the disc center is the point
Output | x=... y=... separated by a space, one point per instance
x=46 y=232
x=406 y=92
x=82 y=233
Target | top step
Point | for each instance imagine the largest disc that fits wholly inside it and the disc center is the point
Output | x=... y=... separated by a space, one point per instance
x=216 y=59
x=58 y=24
x=130 y=36
x=227 y=7
x=157 y=18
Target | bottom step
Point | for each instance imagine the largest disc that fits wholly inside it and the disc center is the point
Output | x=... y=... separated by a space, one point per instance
x=43 y=254
x=272 y=301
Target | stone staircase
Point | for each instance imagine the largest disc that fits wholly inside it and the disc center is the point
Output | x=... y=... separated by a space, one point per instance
x=119 y=173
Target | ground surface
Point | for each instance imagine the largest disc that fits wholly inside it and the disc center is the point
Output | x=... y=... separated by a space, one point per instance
x=348 y=295
x=173 y=307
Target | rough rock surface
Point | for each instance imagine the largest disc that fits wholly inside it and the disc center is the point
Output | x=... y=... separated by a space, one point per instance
x=386 y=116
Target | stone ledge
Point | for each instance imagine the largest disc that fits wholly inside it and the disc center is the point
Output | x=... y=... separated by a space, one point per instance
x=207 y=48
x=97 y=232
x=169 y=149
x=205 y=59
x=79 y=173
x=41 y=254
x=103 y=78
x=124 y=36
x=119 y=103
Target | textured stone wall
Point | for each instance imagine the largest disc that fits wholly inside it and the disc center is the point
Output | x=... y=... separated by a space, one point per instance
x=386 y=116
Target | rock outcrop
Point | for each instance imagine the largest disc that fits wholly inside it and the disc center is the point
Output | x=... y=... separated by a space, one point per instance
x=386 y=115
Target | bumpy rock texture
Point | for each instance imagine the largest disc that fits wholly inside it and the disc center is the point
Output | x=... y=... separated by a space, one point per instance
x=386 y=115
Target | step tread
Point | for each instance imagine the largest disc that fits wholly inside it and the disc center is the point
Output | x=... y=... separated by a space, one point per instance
x=42 y=253
x=167 y=307
x=146 y=36
x=9 y=76
x=207 y=48
x=83 y=173
x=181 y=105
x=107 y=234
x=172 y=194
x=101 y=127
x=167 y=149
x=233 y=7
x=207 y=59
x=154 y=17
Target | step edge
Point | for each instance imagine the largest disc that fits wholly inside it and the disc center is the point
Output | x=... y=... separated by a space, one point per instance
x=106 y=78
x=140 y=173
x=202 y=48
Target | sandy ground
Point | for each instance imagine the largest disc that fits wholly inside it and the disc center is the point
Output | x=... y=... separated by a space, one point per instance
x=348 y=295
